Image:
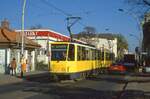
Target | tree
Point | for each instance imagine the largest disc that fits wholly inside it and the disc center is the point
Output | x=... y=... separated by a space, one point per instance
x=122 y=45
x=139 y=7
x=87 y=33
x=38 y=26
x=139 y=2
x=90 y=30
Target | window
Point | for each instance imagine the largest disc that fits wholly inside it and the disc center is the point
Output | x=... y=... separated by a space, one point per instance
x=83 y=54
x=71 y=52
x=59 y=52
x=79 y=53
x=102 y=55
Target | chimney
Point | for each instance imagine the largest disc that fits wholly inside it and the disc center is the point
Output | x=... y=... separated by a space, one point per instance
x=5 y=24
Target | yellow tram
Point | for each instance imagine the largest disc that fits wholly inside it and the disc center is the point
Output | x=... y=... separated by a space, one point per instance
x=74 y=60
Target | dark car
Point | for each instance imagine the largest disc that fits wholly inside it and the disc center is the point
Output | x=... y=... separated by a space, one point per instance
x=117 y=68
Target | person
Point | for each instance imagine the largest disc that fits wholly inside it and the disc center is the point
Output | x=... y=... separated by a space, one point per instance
x=13 y=66
x=64 y=55
x=27 y=66
x=23 y=65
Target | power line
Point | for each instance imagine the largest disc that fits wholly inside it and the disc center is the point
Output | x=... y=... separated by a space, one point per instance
x=62 y=11
x=56 y=8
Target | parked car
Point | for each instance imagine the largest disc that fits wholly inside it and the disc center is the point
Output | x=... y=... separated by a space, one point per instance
x=117 y=68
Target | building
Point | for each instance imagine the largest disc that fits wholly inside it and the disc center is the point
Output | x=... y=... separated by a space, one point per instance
x=101 y=41
x=44 y=37
x=108 y=44
x=10 y=45
x=146 y=33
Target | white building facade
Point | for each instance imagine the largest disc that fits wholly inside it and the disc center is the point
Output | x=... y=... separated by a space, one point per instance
x=108 y=44
x=103 y=43
x=44 y=37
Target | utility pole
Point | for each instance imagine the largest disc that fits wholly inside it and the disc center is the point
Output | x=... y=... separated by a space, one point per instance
x=22 y=39
x=70 y=24
x=22 y=27
x=48 y=52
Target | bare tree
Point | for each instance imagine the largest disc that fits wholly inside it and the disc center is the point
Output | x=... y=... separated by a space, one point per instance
x=122 y=44
x=38 y=26
x=87 y=33
x=139 y=7
x=90 y=30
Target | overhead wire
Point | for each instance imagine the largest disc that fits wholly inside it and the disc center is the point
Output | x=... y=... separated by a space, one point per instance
x=56 y=8
x=49 y=4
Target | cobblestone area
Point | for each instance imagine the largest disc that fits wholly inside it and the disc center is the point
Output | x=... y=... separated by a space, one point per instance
x=37 y=85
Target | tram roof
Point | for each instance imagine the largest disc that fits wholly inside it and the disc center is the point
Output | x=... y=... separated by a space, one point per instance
x=77 y=43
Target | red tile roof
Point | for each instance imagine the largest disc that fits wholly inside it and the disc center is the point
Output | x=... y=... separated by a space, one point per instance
x=9 y=38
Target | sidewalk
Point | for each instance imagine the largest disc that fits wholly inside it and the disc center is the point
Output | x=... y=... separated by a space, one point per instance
x=39 y=75
x=9 y=79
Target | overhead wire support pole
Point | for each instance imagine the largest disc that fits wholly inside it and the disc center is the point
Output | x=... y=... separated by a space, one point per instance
x=22 y=39
x=22 y=28
x=70 y=24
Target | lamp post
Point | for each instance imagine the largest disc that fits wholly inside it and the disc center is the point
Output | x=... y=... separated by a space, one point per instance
x=22 y=38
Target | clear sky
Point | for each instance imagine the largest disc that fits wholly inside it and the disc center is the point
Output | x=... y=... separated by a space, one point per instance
x=101 y=14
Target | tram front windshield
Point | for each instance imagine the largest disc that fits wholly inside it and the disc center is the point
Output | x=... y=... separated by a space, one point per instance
x=59 y=52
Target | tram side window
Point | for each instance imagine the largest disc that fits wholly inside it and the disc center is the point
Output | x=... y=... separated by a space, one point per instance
x=102 y=55
x=79 y=51
x=112 y=56
x=96 y=53
x=83 y=54
x=93 y=54
x=71 y=53
x=107 y=56
x=99 y=55
x=88 y=54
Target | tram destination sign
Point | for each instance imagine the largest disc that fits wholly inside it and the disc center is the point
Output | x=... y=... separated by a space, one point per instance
x=59 y=46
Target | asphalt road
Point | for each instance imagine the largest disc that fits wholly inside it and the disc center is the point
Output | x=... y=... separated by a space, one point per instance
x=100 y=87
